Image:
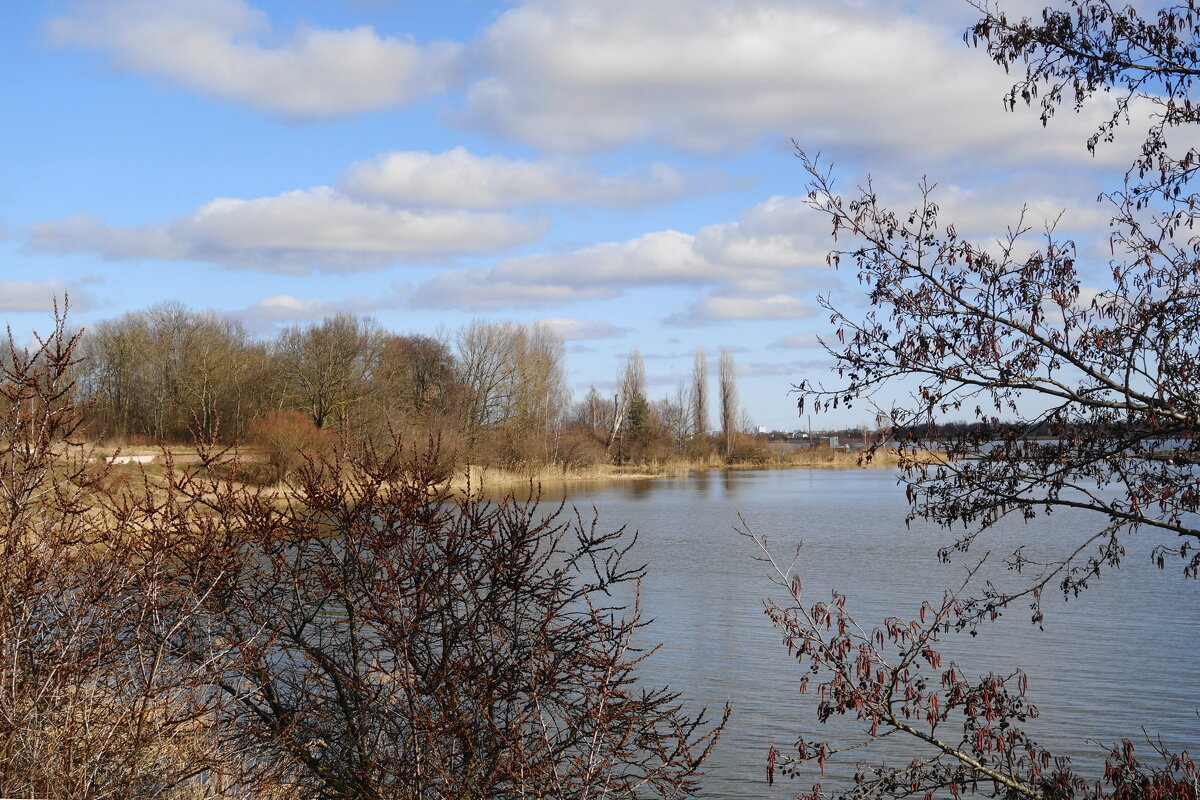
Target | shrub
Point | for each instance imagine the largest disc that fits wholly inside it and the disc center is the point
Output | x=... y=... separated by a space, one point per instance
x=579 y=447
x=441 y=647
x=288 y=438
x=365 y=636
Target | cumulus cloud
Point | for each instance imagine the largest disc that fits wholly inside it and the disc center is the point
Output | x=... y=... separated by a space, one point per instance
x=478 y=290
x=87 y=233
x=796 y=341
x=722 y=308
x=715 y=75
x=288 y=308
x=987 y=210
x=228 y=49
x=571 y=329
x=654 y=259
x=293 y=232
x=760 y=254
x=459 y=178
x=40 y=295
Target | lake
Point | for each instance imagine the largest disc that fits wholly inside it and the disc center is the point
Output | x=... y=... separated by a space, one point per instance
x=1122 y=655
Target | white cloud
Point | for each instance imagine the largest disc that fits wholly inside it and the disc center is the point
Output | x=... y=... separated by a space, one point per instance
x=796 y=341
x=293 y=232
x=288 y=308
x=720 y=308
x=227 y=49
x=478 y=290
x=759 y=254
x=571 y=329
x=775 y=250
x=87 y=233
x=40 y=295
x=714 y=75
x=654 y=259
x=985 y=211
x=322 y=220
x=459 y=178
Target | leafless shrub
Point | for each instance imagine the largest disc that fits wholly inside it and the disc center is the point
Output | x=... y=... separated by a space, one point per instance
x=365 y=636
x=287 y=438
x=394 y=642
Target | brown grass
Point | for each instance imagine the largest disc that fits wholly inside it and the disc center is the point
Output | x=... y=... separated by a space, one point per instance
x=497 y=481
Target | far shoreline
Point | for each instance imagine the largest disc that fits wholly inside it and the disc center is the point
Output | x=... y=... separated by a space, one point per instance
x=488 y=481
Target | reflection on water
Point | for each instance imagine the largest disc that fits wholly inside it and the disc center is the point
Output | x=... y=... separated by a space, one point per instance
x=730 y=483
x=1121 y=656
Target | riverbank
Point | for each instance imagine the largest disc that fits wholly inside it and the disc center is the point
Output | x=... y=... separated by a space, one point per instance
x=244 y=466
x=491 y=479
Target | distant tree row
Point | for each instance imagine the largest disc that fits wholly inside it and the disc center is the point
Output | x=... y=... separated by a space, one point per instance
x=494 y=392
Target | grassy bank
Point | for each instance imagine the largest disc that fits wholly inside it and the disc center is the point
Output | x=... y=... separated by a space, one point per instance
x=496 y=480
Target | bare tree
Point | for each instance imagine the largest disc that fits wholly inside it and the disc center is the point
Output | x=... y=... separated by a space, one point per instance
x=629 y=403
x=699 y=394
x=515 y=384
x=594 y=413
x=488 y=364
x=328 y=366
x=157 y=373
x=1080 y=404
x=675 y=415
x=543 y=394
x=727 y=377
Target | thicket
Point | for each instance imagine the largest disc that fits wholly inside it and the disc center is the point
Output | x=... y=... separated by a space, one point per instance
x=369 y=636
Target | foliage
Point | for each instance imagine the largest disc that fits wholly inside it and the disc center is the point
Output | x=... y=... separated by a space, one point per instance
x=1009 y=334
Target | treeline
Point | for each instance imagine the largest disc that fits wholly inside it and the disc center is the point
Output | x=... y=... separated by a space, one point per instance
x=493 y=392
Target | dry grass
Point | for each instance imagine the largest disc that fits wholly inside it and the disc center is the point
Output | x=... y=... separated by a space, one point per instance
x=494 y=481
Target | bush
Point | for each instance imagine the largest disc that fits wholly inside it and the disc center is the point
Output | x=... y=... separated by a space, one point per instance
x=579 y=447
x=365 y=636
x=289 y=439
x=90 y=706
x=441 y=647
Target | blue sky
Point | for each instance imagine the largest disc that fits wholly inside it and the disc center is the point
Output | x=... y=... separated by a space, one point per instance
x=620 y=168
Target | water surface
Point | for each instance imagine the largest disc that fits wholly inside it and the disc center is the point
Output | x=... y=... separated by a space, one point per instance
x=1121 y=656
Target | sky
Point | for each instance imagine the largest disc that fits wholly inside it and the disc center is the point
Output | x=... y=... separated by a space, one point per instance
x=623 y=170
